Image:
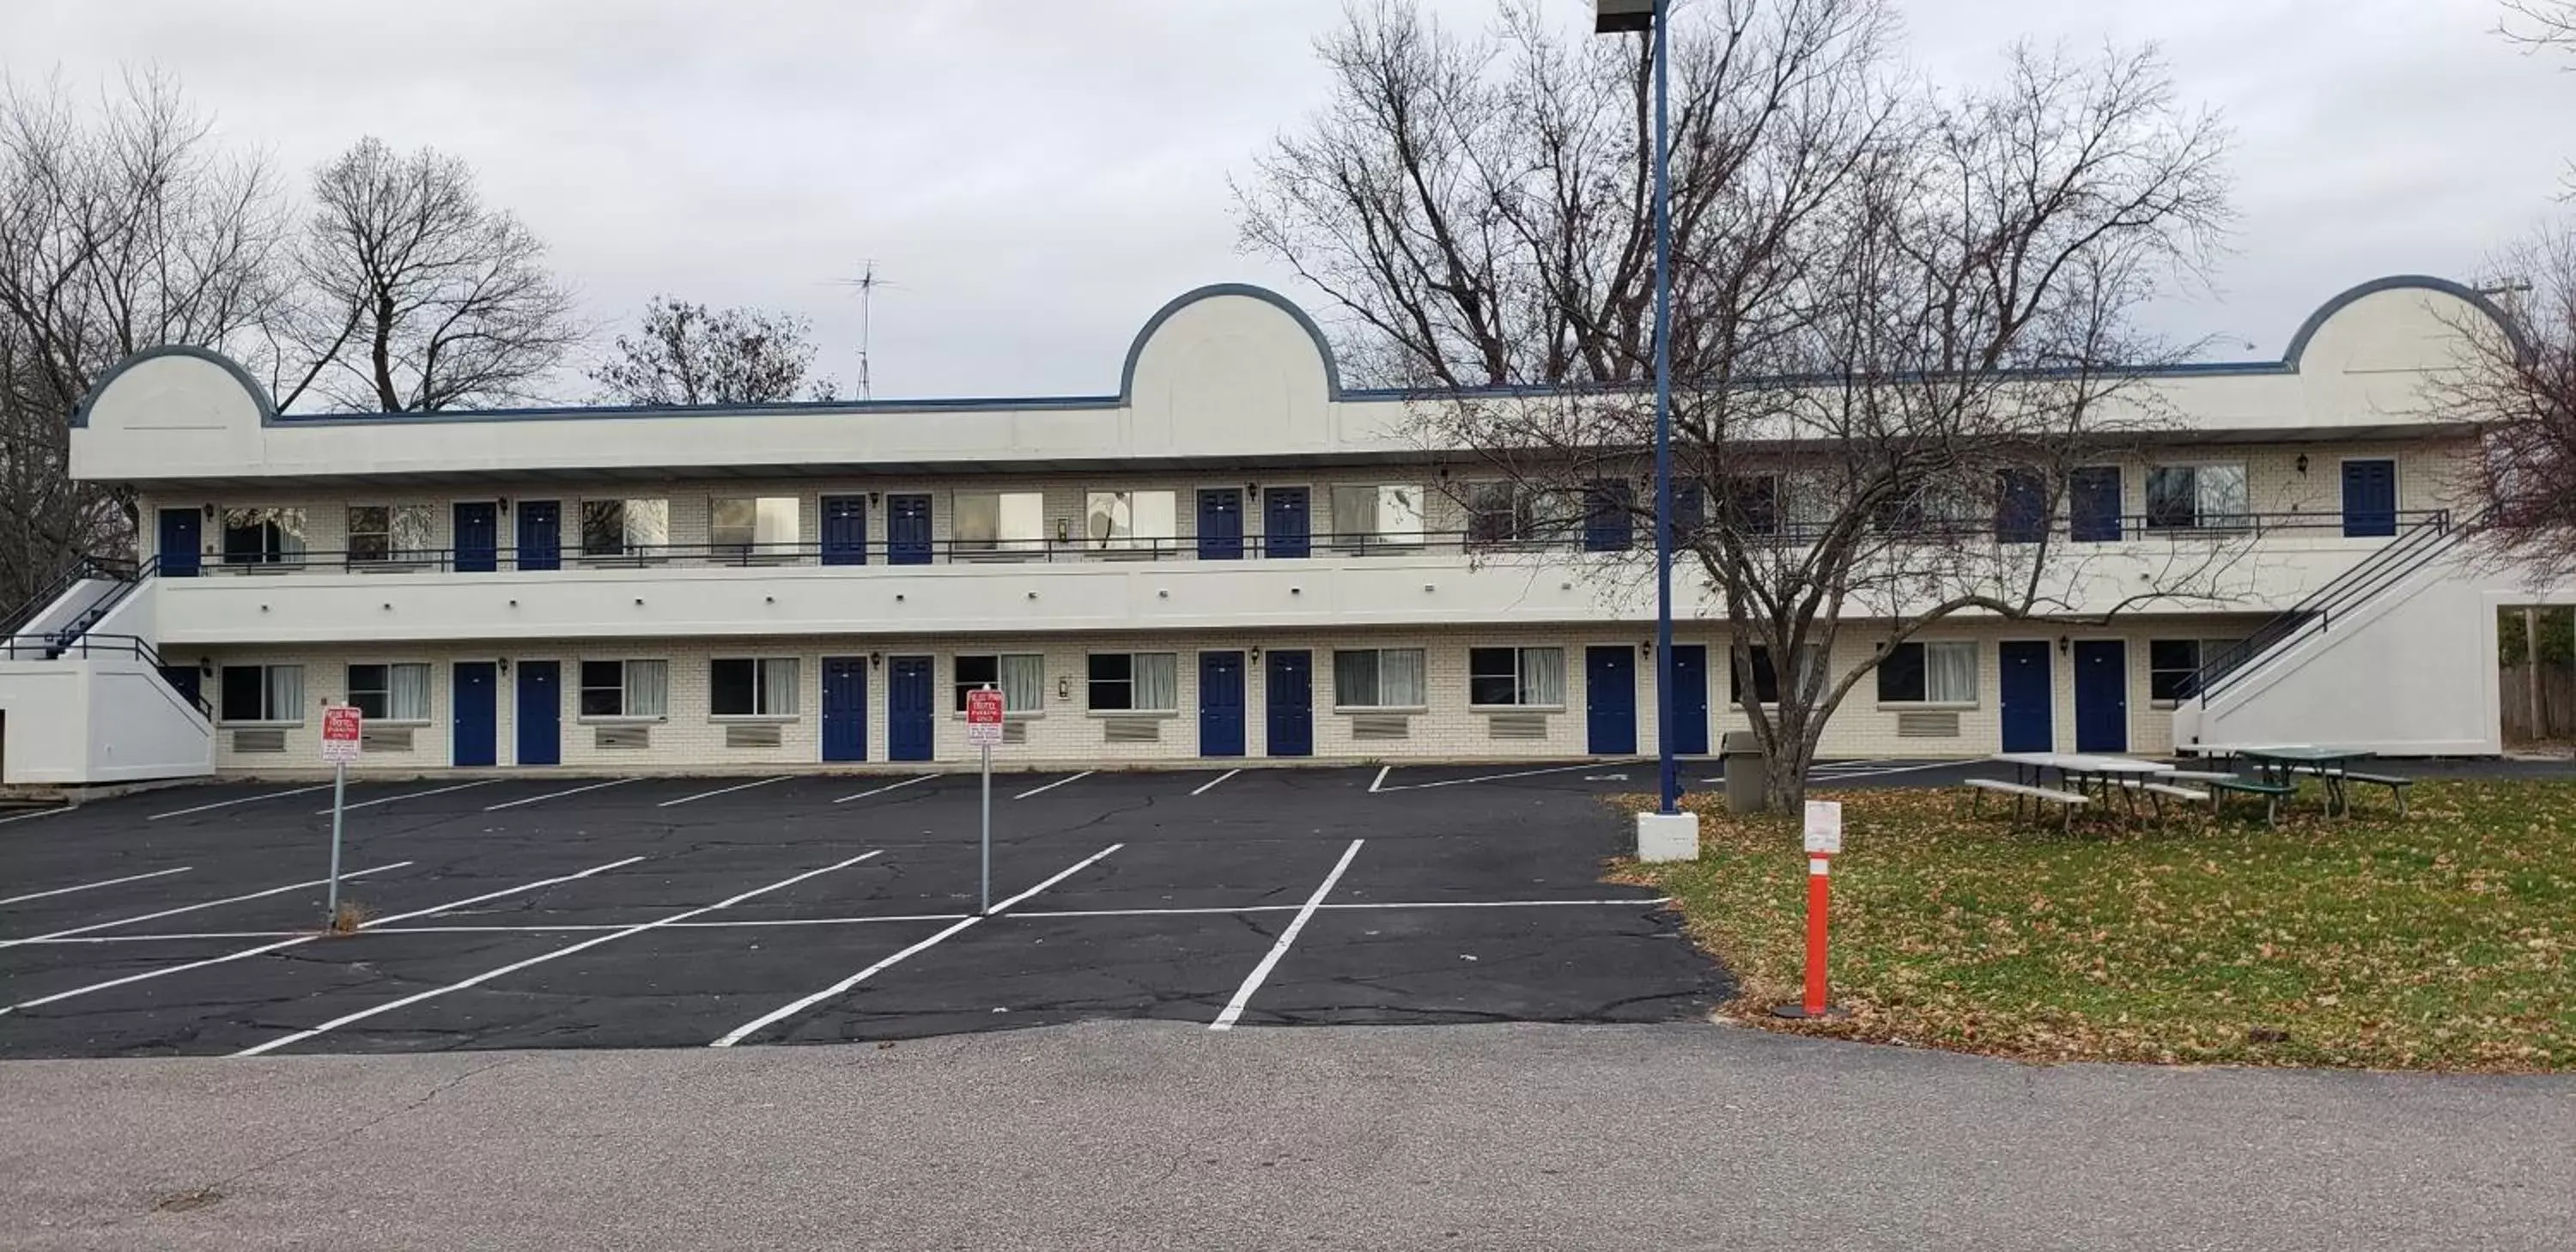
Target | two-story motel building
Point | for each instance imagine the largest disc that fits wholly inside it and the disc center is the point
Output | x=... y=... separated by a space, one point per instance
x=1231 y=557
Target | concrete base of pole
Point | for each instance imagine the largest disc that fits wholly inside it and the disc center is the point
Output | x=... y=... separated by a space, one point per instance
x=1668 y=836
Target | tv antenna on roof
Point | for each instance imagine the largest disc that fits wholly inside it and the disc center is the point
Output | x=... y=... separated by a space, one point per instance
x=867 y=283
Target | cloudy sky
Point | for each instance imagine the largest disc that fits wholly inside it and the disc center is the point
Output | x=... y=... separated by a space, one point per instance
x=1034 y=177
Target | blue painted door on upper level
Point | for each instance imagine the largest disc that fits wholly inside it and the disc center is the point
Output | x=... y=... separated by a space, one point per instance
x=539 y=712
x=181 y=534
x=475 y=699
x=478 y=536
x=1221 y=524
x=2101 y=695
x=1610 y=700
x=908 y=531
x=2029 y=696
x=540 y=534
x=909 y=709
x=1220 y=704
x=1608 y=526
x=1289 y=690
x=845 y=708
x=845 y=531
x=2093 y=504
x=1690 y=699
x=1287 y=523
x=2369 y=499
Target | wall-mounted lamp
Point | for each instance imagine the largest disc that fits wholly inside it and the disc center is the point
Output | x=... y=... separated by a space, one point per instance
x=1064 y=530
x=210 y=512
x=876 y=660
x=505 y=665
x=206 y=666
x=872 y=497
x=505 y=506
x=2302 y=462
x=1064 y=689
x=1252 y=489
x=1256 y=656
x=1646 y=649
x=2064 y=645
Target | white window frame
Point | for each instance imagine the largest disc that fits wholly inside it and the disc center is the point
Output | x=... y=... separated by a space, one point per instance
x=1120 y=505
x=1811 y=655
x=959 y=685
x=429 y=671
x=626 y=680
x=650 y=546
x=1421 y=664
x=768 y=685
x=1133 y=709
x=767 y=539
x=1520 y=677
x=2202 y=651
x=267 y=692
x=1976 y=674
x=1345 y=537
x=2203 y=516
x=293 y=548
x=1007 y=506
x=396 y=550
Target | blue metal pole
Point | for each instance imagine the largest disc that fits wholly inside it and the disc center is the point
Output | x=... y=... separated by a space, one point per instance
x=1668 y=776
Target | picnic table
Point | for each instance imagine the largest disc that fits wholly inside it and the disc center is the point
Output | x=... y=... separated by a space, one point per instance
x=2084 y=771
x=2283 y=763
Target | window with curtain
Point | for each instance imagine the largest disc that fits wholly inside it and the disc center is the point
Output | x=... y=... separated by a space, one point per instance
x=629 y=689
x=1928 y=673
x=1120 y=520
x=752 y=686
x=1135 y=682
x=261 y=693
x=2196 y=497
x=388 y=532
x=1764 y=678
x=1377 y=515
x=1378 y=678
x=263 y=536
x=1520 y=677
x=2174 y=665
x=625 y=527
x=396 y=692
x=1021 y=676
x=755 y=525
x=1499 y=513
x=1752 y=504
x=999 y=521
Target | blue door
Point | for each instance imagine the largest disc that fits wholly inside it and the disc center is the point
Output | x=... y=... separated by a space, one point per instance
x=1690 y=513
x=908 y=535
x=540 y=534
x=181 y=535
x=2021 y=507
x=540 y=712
x=478 y=536
x=2369 y=499
x=845 y=708
x=1220 y=704
x=1608 y=526
x=845 y=535
x=2101 y=695
x=1690 y=699
x=1290 y=689
x=909 y=708
x=1610 y=699
x=2029 y=697
x=1287 y=524
x=475 y=699
x=1221 y=524
x=2093 y=503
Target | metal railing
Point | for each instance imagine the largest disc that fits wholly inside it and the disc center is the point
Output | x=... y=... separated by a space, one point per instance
x=2427 y=538
x=83 y=569
x=1477 y=540
x=46 y=648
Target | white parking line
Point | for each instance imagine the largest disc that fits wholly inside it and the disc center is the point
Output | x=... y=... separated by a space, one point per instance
x=29 y=817
x=412 y=795
x=308 y=938
x=792 y=1008
x=567 y=950
x=1270 y=961
x=555 y=795
x=1052 y=786
x=1210 y=784
x=722 y=791
x=64 y=891
x=1456 y=782
x=225 y=804
x=886 y=788
x=191 y=908
x=1380 y=780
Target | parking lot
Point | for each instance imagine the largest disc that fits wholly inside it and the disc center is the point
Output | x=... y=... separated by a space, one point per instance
x=688 y=912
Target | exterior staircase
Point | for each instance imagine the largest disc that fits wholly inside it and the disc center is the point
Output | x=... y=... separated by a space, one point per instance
x=84 y=697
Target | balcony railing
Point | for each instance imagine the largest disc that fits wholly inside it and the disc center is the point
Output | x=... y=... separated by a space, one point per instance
x=1473 y=542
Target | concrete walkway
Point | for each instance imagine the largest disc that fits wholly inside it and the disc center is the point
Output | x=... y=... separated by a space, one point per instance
x=1152 y=1135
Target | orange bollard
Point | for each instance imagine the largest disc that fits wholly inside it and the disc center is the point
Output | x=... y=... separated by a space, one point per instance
x=1824 y=837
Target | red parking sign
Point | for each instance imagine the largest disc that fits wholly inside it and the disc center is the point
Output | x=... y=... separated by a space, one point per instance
x=984 y=717
x=341 y=724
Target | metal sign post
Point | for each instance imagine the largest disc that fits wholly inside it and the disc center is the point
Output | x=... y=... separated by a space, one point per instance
x=984 y=729
x=342 y=729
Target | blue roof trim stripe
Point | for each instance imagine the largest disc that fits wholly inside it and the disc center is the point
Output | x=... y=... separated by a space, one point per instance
x=269 y=416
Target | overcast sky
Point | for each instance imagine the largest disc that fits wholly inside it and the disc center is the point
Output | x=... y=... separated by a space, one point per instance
x=1035 y=177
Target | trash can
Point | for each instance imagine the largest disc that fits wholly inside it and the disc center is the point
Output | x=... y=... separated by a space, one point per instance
x=1742 y=752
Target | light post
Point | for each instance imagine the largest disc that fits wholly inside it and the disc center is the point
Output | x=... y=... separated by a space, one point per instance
x=1667 y=833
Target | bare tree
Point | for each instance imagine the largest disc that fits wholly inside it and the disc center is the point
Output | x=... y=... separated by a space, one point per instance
x=2542 y=25
x=685 y=353
x=418 y=296
x=1902 y=319
x=124 y=225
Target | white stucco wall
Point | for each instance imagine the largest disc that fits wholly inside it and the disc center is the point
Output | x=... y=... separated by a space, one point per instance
x=93 y=721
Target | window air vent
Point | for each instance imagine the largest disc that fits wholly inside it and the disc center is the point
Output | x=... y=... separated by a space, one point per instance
x=1132 y=730
x=259 y=741
x=1381 y=726
x=1516 y=726
x=621 y=737
x=752 y=735
x=1927 y=725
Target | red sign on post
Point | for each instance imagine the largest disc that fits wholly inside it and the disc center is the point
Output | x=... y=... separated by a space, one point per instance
x=984 y=717
x=341 y=724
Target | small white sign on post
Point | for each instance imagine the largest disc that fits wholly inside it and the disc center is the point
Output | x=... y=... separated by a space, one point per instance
x=1824 y=827
x=984 y=718
x=342 y=727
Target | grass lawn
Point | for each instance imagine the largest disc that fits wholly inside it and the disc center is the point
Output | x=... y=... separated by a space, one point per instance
x=2442 y=941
